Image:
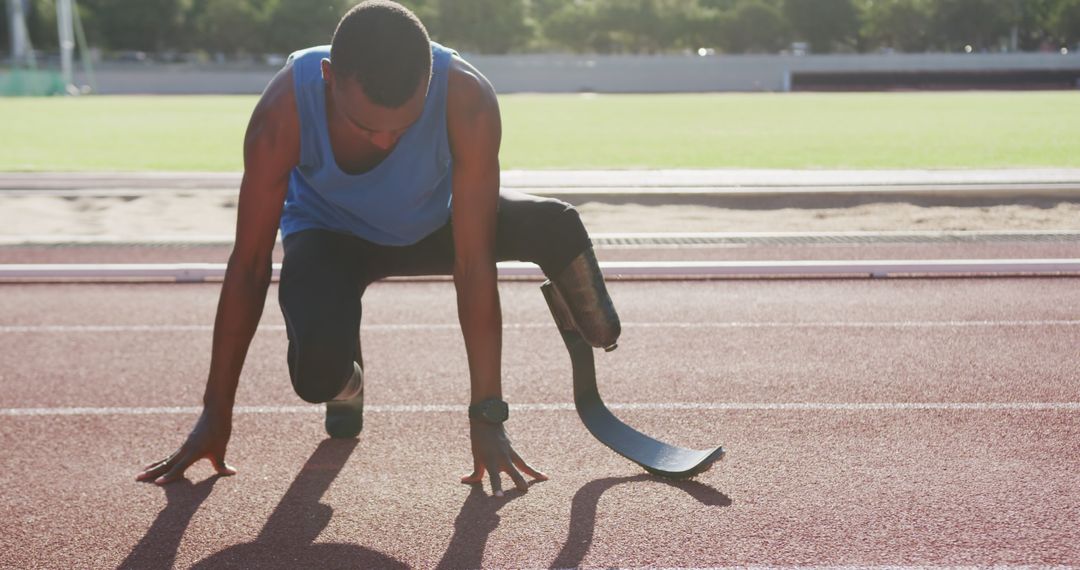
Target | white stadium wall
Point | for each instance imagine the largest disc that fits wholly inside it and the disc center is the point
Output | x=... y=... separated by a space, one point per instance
x=655 y=74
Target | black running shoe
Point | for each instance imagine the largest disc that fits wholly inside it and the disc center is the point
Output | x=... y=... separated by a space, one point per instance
x=345 y=418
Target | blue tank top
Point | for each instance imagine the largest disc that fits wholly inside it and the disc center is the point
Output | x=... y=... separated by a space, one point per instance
x=403 y=199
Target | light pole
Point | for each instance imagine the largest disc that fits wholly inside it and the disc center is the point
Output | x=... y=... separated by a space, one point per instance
x=20 y=39
x=66 y=33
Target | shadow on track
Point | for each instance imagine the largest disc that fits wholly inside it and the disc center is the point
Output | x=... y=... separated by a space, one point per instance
x=157 y=549
x=583 y=511
x=287 y=538
x=286 y=541
x=479 y=516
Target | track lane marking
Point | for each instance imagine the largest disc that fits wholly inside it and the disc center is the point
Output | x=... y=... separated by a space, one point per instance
x=568 y=406
x=203 y=272
x=15 y=329
x=842 y=567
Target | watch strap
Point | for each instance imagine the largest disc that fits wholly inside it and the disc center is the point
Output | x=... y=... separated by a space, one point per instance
x=492 y=410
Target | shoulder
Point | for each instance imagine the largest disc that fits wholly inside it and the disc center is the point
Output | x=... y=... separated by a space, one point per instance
x=280 y=93
x=274 y=121
x=301 y=68
x=473 y=123
x=277 y=105
x=469 y=93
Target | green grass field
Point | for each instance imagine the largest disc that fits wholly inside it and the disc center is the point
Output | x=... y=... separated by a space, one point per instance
x=874 y=130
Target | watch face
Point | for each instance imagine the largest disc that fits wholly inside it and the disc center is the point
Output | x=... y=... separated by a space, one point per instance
x=493 y=411
x=496 y=411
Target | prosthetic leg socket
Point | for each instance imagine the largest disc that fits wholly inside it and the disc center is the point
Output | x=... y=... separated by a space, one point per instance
x=583 y=300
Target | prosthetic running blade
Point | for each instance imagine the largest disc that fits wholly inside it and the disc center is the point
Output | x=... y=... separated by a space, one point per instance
x=654 y=456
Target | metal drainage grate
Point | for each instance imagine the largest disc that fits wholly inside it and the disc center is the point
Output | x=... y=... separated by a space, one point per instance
x=705 y=240
x=626 y=240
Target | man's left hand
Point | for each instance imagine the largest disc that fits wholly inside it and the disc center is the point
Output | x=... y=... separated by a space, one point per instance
x=492 y=453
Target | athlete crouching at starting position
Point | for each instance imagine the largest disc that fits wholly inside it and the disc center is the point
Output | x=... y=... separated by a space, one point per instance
x=379 y=156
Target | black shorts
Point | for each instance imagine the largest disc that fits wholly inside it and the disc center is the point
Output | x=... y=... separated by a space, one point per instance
x=324 y=275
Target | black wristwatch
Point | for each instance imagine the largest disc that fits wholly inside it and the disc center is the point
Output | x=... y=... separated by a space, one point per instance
x=492 y=411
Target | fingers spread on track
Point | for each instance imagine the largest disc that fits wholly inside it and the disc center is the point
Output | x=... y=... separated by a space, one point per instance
x=528 y=469
x=221 y=467
x=519 y=481
x=496 y=482
x=477 y=475
x=154 y=470
x=177 y=471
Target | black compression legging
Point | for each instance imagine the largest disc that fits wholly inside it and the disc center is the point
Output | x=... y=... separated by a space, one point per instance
x=324 y=274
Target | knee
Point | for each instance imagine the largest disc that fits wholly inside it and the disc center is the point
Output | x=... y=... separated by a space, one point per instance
x=320 y=371
x=564 y=235
x=560 y=218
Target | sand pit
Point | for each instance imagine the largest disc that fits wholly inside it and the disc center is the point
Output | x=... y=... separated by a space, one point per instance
x=213 y=213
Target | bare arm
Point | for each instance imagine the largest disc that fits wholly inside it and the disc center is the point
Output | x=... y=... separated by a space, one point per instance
x=475 y=131
x=271 y=149
x=475 y=134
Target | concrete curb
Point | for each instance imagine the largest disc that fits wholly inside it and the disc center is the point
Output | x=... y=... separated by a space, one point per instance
x=615 y=240
x=731 y=189
x=614 y=181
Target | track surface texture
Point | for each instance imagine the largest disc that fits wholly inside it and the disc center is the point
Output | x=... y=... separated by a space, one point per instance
x=150 y=253
x=868 y=422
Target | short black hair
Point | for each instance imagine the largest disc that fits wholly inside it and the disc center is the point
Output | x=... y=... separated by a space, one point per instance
x=385 y=48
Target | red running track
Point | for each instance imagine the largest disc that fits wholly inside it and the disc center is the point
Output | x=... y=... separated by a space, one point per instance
x=868 y=422
x=190 y=253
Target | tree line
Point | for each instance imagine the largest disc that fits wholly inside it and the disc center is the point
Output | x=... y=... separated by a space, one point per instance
x=582 y=26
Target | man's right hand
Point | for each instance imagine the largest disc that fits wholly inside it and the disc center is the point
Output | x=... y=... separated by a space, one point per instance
x=208 y=439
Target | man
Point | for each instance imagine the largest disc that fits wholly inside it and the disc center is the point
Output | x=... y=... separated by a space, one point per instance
x=379 y=157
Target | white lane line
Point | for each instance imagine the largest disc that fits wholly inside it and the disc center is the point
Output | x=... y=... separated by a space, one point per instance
x=834 y=567
x=567 y=406
x=200 y=272
x=831 y=567
x=857 y=324
x=11 y=329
